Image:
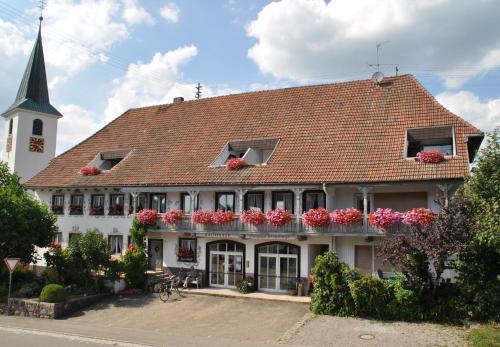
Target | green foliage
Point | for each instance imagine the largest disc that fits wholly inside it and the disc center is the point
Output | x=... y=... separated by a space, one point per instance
x=245 y=285
x=370 y=296
x=114 y=270
x=53 y=293
x=51 y=276
x=479 y=262
x=331 y=293
x=485 y=336
x=28 y=290
x=26 y=222
x=138 y=233
x=135 y=264
x=404 y=304
x=22 y=273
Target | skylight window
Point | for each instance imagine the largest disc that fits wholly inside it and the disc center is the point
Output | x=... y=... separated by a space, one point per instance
x=254 y=152
x=432 y=138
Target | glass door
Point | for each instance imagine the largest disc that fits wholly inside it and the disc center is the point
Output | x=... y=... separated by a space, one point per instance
x=267 y=272
x=277 y=272
x=217 y=269
x=288 y=273
x=234 y=269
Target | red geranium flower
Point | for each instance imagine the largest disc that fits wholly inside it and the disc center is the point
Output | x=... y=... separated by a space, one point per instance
x=90 y=171
x=235 y=164
x=430 y=156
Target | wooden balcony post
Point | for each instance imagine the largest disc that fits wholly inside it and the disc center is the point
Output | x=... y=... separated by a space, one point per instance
x=298 y=203
x=134 y=202
x=193 y=195
x=365 y=190
x=241 y=194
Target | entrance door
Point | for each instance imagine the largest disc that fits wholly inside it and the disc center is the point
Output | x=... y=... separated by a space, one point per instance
x=277 y=272
x=155 y=254
x=226 y=268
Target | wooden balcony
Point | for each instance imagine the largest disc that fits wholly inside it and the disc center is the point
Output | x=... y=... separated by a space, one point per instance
x=294 y=227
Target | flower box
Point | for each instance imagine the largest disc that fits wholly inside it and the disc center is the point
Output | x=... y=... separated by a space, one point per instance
x=255 y=217
x=235 y=164
x=430 y=156
x=316 y=217
x=222 y=217
x=90 y=171
x=384 y=218
x=75 y=209
x=185 y=254
x=173 y=216
x=419 y=216
x=278 y=217
x=97 y=211
x=202 y=217
x=57 y=209
x=346 y=216
x=147 y=216
x=116 y=210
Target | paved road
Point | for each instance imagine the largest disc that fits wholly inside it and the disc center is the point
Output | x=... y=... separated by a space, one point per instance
x=213 y=321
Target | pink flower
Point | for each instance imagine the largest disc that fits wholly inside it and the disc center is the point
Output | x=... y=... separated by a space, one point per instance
x=90 y=171
x=430 y=156
x=384 y=218
x=278 y=217
x=235 y=164
x=222 y=217
x=173 y=216
x=202 y=217
x=420 y=216
x=346 y=216
x=147 y=216
x=316 y=217
x=255 y=217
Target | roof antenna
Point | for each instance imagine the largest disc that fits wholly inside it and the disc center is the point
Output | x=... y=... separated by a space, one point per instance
x=197 y=94
x=41 y=7
x=378 y=76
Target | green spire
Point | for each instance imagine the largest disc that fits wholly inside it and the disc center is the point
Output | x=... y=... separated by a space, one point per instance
x=33 y=94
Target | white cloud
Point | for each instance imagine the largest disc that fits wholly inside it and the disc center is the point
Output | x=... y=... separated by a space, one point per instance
x=76 y=125
x=135 y=14
x=151 y=83
x=308 y=40
x=12 y=41
x=483 y=114
x=170 y=12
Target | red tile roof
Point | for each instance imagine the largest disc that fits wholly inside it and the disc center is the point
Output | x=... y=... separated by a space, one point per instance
x=333 y=133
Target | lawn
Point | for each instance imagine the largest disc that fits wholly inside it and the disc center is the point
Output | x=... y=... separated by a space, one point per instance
x=485 y=336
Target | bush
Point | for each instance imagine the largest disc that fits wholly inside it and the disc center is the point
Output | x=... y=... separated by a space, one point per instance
x=22 y=274
x=404 y=304
x=449 y=306
x=51 y=276
x=29 y=290
x=53 y=293
x=135 y=264
x=331 y=294
x=114 y=270
x=370 y=296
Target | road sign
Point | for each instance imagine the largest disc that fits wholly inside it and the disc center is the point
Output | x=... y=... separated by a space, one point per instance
x=11 y=263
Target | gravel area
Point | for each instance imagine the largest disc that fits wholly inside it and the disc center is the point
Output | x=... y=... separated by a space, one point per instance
x=336 y=331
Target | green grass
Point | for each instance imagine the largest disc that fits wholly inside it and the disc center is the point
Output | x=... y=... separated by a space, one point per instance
x=485 y=336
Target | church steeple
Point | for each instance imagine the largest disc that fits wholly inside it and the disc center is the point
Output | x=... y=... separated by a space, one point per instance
x=33 y=94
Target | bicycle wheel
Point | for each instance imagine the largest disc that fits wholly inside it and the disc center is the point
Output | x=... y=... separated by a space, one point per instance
x=164 y=294
x=180 y=291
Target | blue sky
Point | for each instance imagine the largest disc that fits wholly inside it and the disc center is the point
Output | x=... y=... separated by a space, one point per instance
x=106 y=56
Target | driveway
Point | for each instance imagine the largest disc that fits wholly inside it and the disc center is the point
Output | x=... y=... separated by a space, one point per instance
x=214 y=321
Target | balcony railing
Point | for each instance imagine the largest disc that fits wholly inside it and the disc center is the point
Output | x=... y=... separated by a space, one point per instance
x=293 y=227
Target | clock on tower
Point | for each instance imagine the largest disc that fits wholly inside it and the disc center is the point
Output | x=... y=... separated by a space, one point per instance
x=37 y=144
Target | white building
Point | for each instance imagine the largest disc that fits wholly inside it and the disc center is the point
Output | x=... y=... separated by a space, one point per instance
x=334 y=146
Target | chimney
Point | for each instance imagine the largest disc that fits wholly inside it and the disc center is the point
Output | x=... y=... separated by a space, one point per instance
x=178 y=99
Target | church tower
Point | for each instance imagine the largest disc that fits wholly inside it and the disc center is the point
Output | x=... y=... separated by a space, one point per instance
x=31 y=121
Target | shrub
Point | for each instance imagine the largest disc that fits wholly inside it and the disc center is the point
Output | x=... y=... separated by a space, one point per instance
x=53 y=293
x=331 y=294
x=245 y=285
x=114 y=270
x=22 y=274
x=135 y=264
x=370 y=296
x=29 y=290
x=51 y=276
x=138 y=233
x=404 y=304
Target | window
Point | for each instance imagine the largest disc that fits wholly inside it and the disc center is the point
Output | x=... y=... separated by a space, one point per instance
x=224 y=201
x=159 y=202
x=58 y=204
x=254 y=201
x=11 y=125
x=57 y=239
x=358 y=200
x=76 y=205
x=112 y=158
x=316 y=199
x=283 y=200
x=187 y=250
x=97 y=205
x=115 y=243
x=435 y=138
x=186 y=203
x=255 y=151
x=116 y=203
x=140 y=203
x=37 y=127
x=74 y=237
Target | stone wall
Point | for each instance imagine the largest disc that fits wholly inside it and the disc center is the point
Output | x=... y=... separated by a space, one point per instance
x=35 y=308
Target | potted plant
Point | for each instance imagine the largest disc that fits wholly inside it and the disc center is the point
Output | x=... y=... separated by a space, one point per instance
x=57 y=209
x=75 y=209
x=278 y=217
x=116 y=210
x=185 y=254
x=346 y=216
x=222 y=217
x=234 y=164
x=419 y=216
x=384 y=218
x=316 y=217
x=430 y=156
x=201 y=217
x=147 y=216
x=245 y=285
x=254 y=217
x=90 y=171
x=96 y=210
x=173 y=216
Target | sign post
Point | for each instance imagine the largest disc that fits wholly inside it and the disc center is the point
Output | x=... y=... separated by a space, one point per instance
x=11 y=265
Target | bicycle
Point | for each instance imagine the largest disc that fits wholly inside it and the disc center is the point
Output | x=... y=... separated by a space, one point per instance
x=169 y=286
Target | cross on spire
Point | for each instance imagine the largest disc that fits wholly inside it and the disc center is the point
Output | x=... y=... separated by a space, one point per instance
x=41 y=7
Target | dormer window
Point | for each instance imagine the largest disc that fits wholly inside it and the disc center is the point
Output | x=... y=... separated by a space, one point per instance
x=112 y=158
x=254 y=152
x=433 y=138
x=37 y=127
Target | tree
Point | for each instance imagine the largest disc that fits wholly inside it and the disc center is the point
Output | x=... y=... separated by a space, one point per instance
x=479 y=261
x=435 y=243
x=26 y=223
